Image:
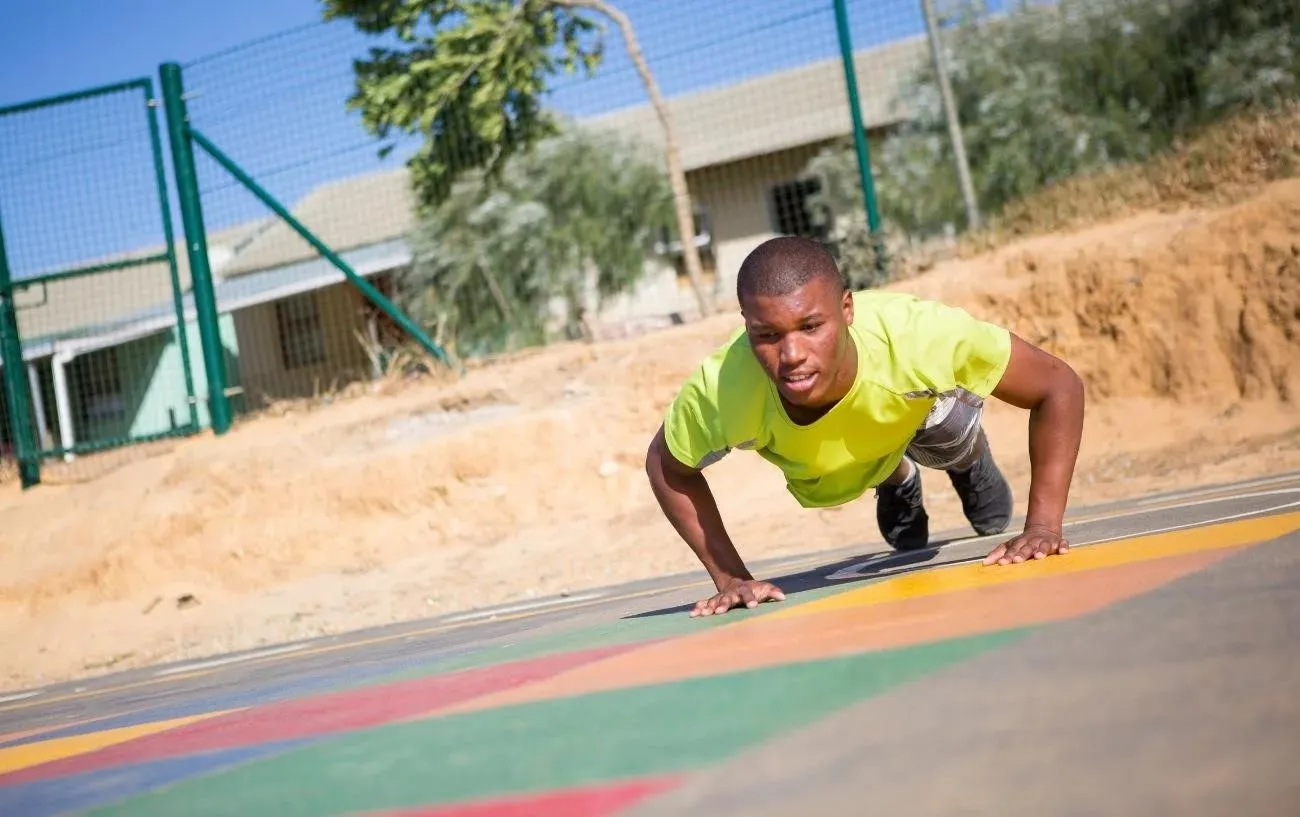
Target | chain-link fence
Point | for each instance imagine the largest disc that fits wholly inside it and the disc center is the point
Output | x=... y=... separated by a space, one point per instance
x=91 y=293
x=493 y=239
x=501 y=200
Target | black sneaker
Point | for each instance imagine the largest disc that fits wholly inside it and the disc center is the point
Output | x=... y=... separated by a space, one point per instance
x=901 y=514
x=985 y=495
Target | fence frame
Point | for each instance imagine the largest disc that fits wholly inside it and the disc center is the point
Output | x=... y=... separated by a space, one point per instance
x=16 y=381
x=184 y=138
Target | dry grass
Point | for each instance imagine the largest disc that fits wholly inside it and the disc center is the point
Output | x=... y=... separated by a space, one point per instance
x=1223 y=164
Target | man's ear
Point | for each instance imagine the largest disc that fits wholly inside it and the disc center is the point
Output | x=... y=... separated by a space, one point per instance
x=847 y=305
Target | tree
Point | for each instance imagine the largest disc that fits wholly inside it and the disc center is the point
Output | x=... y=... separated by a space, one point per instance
x=468 y=76
x=571 y=221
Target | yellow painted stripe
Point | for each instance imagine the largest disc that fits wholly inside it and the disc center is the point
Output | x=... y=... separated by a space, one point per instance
x=1126 y=551
x=31 y=754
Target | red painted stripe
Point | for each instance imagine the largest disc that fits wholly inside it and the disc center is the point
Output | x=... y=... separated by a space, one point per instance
x=594 y=801
x=319 y=715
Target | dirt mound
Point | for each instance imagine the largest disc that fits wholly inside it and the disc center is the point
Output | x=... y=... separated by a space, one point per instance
x=526 y=478
x=1197 y=306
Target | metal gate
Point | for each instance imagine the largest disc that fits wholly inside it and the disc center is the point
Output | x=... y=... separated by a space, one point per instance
x=98 y=351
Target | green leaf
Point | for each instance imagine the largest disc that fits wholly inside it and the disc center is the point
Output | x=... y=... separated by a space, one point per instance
x=469 y=78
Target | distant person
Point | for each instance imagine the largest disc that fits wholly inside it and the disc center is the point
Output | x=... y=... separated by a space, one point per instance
x=844 y=392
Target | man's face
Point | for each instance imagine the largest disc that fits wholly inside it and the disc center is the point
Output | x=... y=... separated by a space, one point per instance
x=802 y=340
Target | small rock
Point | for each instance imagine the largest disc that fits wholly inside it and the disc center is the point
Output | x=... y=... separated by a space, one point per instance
x=608 y=468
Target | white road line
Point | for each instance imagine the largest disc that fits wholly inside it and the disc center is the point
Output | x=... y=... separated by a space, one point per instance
x=855 y=571
x=1088 y=520
x=21 y=696
x=525 y=606
x=230 y=659
x=1220 y=492
x=1201 y=524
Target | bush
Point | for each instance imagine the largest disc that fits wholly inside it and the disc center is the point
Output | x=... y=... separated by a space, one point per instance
x=502 y=259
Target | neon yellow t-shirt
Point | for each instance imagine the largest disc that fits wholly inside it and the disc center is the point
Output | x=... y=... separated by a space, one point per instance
x=910 y=352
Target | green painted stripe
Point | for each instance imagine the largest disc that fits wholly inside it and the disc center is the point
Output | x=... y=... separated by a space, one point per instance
x=552 y=744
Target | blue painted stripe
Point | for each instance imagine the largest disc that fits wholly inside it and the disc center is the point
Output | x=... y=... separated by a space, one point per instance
x=46 y=798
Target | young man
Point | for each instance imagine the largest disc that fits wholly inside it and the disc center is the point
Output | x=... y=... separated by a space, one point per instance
x=846 y=391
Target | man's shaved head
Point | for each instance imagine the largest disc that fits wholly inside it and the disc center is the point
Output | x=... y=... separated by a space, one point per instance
x=782 y=265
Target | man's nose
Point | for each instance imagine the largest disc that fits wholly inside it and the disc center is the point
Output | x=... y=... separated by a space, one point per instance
x=792 y=351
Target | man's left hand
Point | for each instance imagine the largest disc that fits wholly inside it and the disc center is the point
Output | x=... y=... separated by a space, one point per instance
x=1037 y=542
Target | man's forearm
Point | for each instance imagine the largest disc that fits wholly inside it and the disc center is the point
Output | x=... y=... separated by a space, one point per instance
x=688 y=502
x=1055 y=430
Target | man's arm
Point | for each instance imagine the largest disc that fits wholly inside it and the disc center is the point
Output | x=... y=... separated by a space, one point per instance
x=1054 y=395
x=686 y=499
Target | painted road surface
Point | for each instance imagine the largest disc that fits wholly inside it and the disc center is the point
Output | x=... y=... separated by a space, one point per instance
x=1152 y=670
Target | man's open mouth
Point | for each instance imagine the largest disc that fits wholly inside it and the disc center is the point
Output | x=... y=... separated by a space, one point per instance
x=799 y=382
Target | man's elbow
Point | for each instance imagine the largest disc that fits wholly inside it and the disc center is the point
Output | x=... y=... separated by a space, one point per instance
x=654 y=456
x=1066 y=387
x=1072 y=382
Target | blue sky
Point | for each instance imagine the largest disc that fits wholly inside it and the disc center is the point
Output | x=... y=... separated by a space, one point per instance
x=76 y=182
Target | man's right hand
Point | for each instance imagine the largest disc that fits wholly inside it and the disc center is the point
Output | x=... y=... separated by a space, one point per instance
x=749 y=592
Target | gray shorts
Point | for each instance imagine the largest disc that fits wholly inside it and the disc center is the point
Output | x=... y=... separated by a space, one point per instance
x=950 y=431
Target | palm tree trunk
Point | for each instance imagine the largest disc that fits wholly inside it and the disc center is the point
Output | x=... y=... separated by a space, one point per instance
x=676 y=173
x=495 y=288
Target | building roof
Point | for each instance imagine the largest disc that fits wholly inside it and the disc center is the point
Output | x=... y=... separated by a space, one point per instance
x=777 y=111
x=231 y=294
x=70 y=305
x=345 y=213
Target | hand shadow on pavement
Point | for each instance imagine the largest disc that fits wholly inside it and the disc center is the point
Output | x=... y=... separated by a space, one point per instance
x=896 y=562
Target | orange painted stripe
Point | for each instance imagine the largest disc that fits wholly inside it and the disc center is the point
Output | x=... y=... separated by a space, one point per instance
x=770 y=641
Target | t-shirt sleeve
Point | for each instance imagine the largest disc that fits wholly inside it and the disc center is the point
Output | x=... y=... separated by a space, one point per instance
x=693 y=427
x=956 y=349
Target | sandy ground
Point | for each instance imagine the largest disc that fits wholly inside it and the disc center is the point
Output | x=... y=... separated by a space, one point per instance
x=524 y=478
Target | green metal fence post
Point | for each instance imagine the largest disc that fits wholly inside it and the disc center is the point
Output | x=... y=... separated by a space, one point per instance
x=859 y=129
x=16 y=383
x=169 y=234
x=367 y=289
x=196 y=245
